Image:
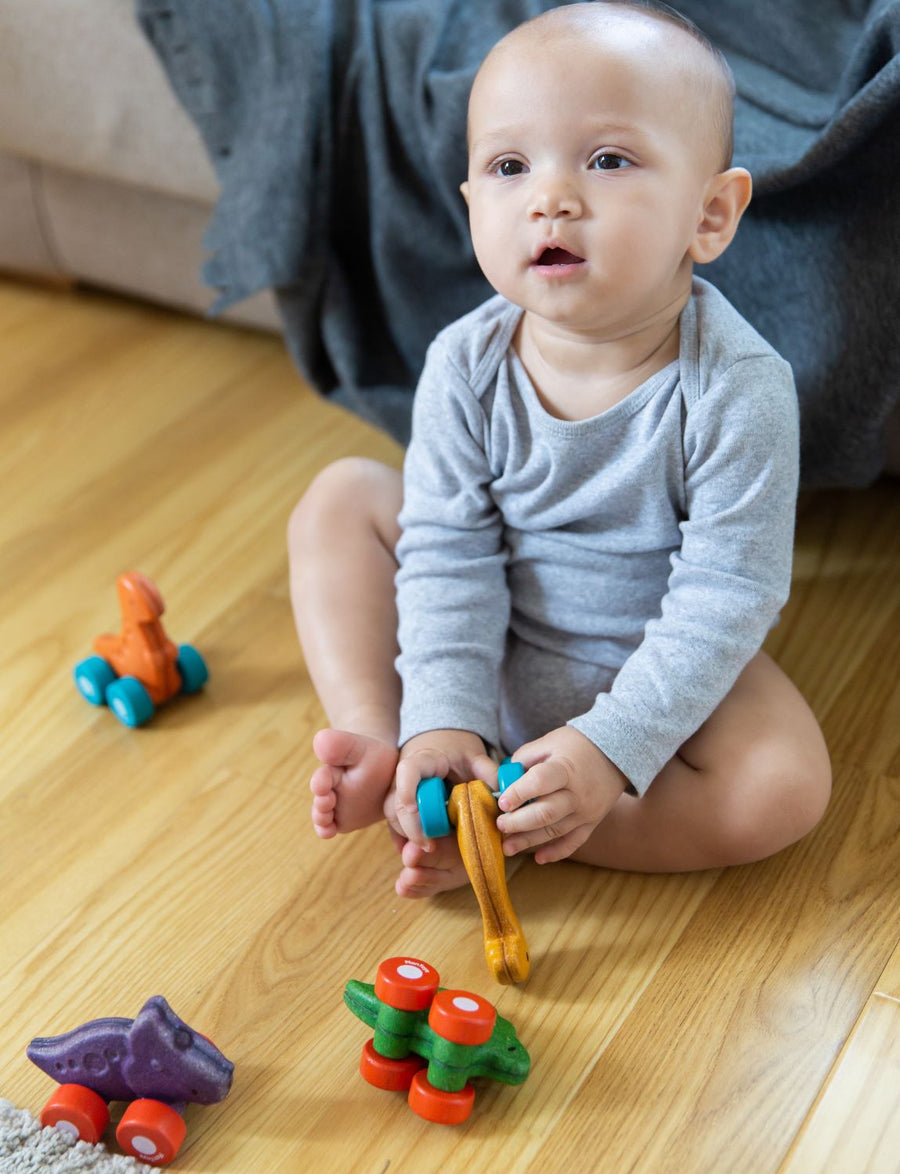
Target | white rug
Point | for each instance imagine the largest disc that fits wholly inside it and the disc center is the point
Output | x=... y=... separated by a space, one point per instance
x=26 y=1148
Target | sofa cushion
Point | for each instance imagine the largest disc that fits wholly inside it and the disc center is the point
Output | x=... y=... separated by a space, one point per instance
x=81 y=88
x=26 y=244
x=123 y=237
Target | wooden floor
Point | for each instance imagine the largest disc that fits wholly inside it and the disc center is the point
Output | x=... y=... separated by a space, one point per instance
x=743 y=1021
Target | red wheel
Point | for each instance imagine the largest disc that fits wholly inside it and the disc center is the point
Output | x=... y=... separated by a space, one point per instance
x=78 y=1111
x=151 y=1131
x=406 y=983
x=461 y=1017
x=443 y=1108
x=393 y=1075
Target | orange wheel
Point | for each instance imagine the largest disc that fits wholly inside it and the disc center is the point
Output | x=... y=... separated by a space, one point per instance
x=461 y=1017
x=151 y=1131
x=78 y=1111
x=443 y=1108
x=406 y=983
x=393 y=1075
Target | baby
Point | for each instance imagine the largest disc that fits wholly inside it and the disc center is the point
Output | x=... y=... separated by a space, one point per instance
x=595 y=522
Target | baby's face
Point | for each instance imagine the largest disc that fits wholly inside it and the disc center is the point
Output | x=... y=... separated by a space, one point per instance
x=587 y=169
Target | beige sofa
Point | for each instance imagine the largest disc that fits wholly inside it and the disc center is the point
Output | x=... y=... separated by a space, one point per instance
x=103 y=177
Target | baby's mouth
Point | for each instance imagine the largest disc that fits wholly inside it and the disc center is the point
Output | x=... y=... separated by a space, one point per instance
x=558 y=256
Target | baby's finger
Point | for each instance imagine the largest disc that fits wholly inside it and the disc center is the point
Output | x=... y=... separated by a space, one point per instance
x=422 y=764
x=411 y=828
x=539 y=837
x=547 y=811
x=407 y=817
x=412 y=768
x=484 y=768
x=542 y=779
x=563 y=847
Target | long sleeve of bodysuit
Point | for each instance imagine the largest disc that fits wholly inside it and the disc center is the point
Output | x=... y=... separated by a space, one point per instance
x=728 y=580
x=452 y=597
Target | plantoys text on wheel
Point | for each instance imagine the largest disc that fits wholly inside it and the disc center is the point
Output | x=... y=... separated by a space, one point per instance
x=155 y=1061
x=430 y=1042
x=140 y=668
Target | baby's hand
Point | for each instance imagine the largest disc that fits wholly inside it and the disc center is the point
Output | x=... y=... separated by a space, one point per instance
x=573 y=784
x=457 y=755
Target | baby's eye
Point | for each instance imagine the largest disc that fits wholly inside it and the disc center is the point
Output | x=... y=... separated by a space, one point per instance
x=608 y=161
x=507 y=168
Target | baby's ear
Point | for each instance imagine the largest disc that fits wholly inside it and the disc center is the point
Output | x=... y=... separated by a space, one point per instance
x=726 y=198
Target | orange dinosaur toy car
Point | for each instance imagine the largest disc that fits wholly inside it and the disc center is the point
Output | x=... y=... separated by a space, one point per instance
x=140 y=668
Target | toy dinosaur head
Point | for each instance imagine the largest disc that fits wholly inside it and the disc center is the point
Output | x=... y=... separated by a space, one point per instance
x=170 y=1061
x=139 y=598
x=509 y=1061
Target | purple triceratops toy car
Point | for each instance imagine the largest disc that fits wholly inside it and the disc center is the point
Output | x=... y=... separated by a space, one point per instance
x=155 y=1061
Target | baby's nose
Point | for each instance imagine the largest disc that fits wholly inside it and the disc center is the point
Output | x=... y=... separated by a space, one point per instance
x=555 y=197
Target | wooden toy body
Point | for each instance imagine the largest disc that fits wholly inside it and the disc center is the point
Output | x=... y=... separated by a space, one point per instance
x=450 y=1065
x=139 y=669
x=430 y=1042
x=154 y=1061
x=473 y=810
x=142 y=649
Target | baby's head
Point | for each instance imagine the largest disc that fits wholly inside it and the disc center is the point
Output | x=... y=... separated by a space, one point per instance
x=601 y=133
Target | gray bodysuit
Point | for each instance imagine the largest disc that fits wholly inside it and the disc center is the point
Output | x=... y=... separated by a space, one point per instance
x=614 y=573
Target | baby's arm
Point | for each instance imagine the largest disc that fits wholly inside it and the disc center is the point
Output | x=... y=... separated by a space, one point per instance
x=728 y=581
x=452 y=599
x=729 y=578
x=573 y=785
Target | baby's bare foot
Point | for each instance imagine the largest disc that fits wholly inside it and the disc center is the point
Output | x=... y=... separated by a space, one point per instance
x=425 y=873
x=350 y=785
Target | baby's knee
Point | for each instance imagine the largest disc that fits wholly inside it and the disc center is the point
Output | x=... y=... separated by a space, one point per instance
x=781 y=797
x=814 y=787
x=334 y=489
x=351 y=491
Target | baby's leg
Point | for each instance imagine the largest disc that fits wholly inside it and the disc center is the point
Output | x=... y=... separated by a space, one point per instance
x=754 y=778
x=341 y=541
x=425 y=874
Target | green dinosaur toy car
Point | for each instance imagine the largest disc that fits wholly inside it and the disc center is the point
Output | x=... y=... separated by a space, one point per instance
x=432 y=1041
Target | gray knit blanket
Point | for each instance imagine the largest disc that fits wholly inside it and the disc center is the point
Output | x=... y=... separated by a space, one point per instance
x=26 y=1148
x=337 y=130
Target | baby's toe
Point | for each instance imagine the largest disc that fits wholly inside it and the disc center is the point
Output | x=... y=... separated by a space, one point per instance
x=339 y=747
x=323 y=821
x=324 y=805
x=324 y=782
x=415 y=883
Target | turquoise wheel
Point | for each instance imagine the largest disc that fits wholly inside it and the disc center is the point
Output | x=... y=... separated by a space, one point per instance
x=93 y=676
x=130 y=701
x=431 y=799
x=509 y=772
x=192 y=668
